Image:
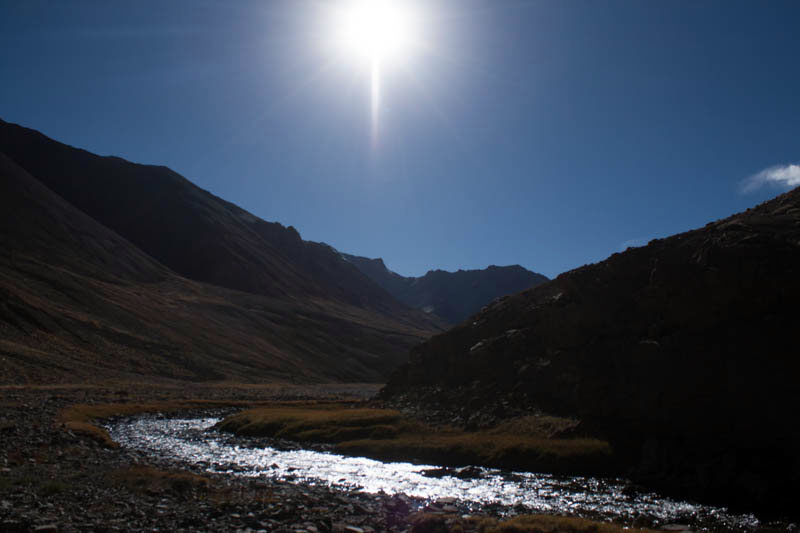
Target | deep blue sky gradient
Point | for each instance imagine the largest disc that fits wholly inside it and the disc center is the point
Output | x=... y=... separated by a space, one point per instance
x=546 y=134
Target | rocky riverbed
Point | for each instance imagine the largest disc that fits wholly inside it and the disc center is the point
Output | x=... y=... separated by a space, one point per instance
x=54 y=480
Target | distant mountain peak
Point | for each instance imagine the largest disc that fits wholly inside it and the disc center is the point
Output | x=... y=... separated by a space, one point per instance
x=453 y=296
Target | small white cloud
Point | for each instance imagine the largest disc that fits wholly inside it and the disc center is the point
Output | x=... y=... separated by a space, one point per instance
x=783 y=176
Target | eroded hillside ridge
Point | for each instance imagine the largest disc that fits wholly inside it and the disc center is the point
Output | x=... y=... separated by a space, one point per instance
x=453 y=296
x=684 y=352
x=82 y=302
x=191 y=231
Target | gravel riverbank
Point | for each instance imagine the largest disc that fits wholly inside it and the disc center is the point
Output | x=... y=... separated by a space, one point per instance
x=53 y=480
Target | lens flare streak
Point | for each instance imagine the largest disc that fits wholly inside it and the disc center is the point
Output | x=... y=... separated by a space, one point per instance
x=377 y=34
x=375 y=100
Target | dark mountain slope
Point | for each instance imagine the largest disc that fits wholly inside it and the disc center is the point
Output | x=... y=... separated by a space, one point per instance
x=79 y=302
x=453 y=296
x=684 y=352
x=36 y=221
x=190 y=230
x=378 y=272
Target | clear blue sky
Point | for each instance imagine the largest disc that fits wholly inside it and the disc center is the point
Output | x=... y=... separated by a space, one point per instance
x=546 y=134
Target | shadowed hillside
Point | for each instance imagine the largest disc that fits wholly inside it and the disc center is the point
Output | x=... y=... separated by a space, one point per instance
x=453 y=296
x=191 y=231
x=683 y=352
x=80 y=301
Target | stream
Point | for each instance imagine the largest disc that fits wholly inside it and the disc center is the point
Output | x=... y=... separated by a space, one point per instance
x=194 y=441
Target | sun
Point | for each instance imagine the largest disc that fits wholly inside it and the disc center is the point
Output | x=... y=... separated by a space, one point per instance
x=376 y=31
x=380 y=35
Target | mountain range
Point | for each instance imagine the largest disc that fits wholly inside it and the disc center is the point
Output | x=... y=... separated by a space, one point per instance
x=452 y=296
x=115 y=269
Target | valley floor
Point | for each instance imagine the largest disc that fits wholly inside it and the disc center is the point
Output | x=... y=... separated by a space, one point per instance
x=53 y=478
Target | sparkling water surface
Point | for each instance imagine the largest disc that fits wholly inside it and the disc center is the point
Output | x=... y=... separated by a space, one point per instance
x=195 y=441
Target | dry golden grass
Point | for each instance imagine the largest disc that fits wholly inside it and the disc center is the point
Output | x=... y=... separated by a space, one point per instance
x=552 y=524
x=547 y=427
x=386 y=434
x=523 y=444
x=501 y=451
x=437 y=523
x=331 y=423
x=80 y=418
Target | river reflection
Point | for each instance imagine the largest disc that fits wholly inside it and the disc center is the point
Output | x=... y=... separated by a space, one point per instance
x=192 y=440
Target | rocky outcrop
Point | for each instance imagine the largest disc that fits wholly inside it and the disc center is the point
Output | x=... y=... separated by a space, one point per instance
x=453 y=296
x=682 y=352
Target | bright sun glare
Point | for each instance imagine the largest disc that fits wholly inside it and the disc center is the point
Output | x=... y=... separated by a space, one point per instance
x=376 y=30
x=377 y=33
